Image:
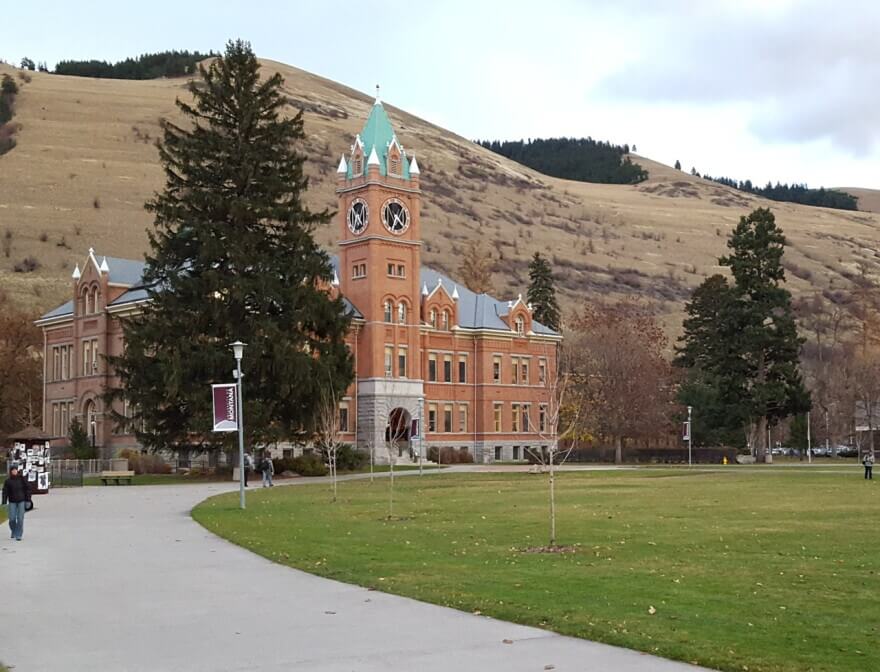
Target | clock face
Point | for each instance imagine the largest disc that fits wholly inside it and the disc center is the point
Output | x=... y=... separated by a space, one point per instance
x=395 y=216
x=358 y=216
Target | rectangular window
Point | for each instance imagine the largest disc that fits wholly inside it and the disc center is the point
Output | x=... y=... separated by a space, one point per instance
x=391 y=269
x=343 y=416
x=56 y=419
x=542 y=418
x=432 y=367
x=389 y=361
x=496 y=368
x=526 y=422
x=524 y=370
x=65 y=362
x=95 y=356
x=447 y=368
x=432 y=418
x=401 y=271
x=447 y=418
x=497 y=453
x=462 y=370
x=56 y=364
x=359 y=271
x=515 y=369
x=401 y=362
x=87 y=347
x=515 y=417
x=462 y=418
x=497 y=416
x=65 y=418
x=542 y=370
x=516 y=452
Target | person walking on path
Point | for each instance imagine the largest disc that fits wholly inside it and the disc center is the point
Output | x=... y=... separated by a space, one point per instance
x=268 y=469
x=248 y=465
x=16 y=495
x=868 y=461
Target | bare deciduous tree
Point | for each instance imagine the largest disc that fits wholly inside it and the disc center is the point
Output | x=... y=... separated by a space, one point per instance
x=476 y=268
x=327 y=427
x=557 y=419
x=624 y=381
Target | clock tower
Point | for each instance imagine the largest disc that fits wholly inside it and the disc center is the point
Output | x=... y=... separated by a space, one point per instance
x=379 y=271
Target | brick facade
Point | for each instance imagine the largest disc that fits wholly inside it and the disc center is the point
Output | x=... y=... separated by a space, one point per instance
x=463 y=370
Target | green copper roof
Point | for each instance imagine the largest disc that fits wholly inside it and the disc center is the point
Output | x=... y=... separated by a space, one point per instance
x=378 y=134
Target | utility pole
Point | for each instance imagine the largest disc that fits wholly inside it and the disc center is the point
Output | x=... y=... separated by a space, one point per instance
x=238 y=351
x=690 y=437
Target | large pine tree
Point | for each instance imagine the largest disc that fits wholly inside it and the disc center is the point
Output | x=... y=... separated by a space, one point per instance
x=542 y=293
x=233 y=258
x=743 y=339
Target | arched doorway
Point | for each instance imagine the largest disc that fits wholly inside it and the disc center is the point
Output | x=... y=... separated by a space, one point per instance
x=90 y=421
x=397 y=431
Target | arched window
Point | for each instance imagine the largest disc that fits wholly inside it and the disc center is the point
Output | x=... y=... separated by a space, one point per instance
x=444 y=320
x=520 y=325
x=84 y=301
x=87 y=301
x=389 y=307
x=401 y=313
x=95 y=300
x=433 y=319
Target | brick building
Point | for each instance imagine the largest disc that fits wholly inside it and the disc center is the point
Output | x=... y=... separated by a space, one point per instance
x=436 y=364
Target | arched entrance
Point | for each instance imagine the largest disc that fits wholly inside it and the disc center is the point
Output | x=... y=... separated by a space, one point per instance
x=397 y=432
x=90 y=421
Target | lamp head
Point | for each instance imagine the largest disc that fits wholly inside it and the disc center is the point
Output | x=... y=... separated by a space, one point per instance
x=237 y=349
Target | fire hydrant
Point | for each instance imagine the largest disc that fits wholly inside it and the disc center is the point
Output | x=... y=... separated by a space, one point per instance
x=724 y=460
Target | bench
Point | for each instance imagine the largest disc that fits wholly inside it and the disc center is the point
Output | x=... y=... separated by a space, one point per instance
x=116 y=477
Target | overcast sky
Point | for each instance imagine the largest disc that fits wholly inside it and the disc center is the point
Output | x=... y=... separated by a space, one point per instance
x=763 y=89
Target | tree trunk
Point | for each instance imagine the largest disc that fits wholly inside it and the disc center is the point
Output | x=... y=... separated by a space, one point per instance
x=391 y=490
x=761 y=446
x=552 y=501
x=618 y=450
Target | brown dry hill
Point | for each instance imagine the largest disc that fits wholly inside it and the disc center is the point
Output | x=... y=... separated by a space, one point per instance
x=85 y=163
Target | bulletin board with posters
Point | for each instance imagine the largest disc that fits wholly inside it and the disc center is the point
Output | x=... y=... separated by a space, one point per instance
x=32 y=459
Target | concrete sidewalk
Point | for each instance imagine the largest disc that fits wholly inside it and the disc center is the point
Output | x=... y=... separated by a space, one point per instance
x=122 y=579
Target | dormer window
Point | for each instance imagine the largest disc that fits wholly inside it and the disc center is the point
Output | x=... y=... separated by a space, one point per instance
x=357 y=165
x=520 y=325
x=95 y=300
x=394 y=164
x=433 y=318
x=389 y=308
x=444 y=321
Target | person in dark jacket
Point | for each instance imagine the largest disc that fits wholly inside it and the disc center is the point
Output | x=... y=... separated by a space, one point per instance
x=868 y=462
x=15 y=496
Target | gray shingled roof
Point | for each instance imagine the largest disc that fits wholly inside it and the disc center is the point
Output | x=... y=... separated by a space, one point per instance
x=475 y=311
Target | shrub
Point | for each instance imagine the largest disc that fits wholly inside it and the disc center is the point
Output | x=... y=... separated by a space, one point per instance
x=26 y=265
x=96 y=203
x=450 y=455
x=44 y=237
x=309 y=464
x=349 y=459
x=283 y=464
x=145 y=463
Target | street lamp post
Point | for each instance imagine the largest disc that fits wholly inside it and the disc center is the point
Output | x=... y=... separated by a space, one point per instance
x=238 y=351
x=690 y=436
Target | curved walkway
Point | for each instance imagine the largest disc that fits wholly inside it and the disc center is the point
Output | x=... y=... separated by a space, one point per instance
x=122 y=579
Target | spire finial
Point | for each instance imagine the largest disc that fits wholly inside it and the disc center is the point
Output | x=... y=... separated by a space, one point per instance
x=378 y=100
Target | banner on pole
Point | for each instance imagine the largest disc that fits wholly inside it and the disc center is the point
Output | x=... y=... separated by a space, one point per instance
x=225 y=407
x=414 y=430
x=686 y=431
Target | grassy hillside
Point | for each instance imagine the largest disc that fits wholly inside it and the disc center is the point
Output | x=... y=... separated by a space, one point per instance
x=85 y=163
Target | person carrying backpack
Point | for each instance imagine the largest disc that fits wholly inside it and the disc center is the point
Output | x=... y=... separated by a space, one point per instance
x=868 y=461
x=268 y=469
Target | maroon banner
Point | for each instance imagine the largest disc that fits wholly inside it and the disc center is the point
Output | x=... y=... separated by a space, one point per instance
x=225 y=407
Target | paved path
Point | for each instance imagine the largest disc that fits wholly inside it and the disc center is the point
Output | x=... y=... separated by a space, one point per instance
x=122 y=579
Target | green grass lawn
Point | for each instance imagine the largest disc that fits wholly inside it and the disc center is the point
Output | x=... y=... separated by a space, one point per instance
x=744 y=570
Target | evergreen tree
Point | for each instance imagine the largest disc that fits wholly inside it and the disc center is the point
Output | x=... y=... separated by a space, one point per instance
x=743 y=338
x=232 y=258
x=677 y=164
x=80 y=445
x=542 y=293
